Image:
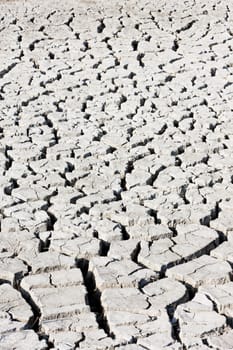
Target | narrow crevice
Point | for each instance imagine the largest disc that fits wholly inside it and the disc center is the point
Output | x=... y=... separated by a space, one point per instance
x=186 y=27
x=10 y=187
x=213 y=72
x=135 y=253
x=174 y=231
x=175 y=46
x=123 y=185
x=31 y=99
x=9 y=161
x=57 y=105
x=32 y=45
x=34 y=323
x=156 y=174
x=154 y=214
x=93 y=296
x=77 y=344
x=7 y=70
x=52 y=218
x=139 y=59
x=169 y=78
x=101 y=26
x=125 y=235
x=134 y=45
x=104 y=248
x=86 y=46
x=123 y=99
x=190 y=294
x=205 y=220
x=70 y=20
x=175 y=330
x=183 y=194
x=44 y=245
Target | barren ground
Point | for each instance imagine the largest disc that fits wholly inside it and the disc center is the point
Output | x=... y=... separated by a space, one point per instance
x=116 y=175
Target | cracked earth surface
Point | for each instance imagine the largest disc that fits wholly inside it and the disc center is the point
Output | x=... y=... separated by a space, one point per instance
x=116 y=175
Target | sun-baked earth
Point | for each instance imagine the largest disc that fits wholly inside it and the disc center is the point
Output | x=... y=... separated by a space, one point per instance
x=116 y=175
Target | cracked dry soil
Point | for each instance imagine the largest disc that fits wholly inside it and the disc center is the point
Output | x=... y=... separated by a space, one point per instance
x=116 y=175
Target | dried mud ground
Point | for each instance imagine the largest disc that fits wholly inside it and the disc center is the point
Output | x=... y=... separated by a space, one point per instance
x=116 y=175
